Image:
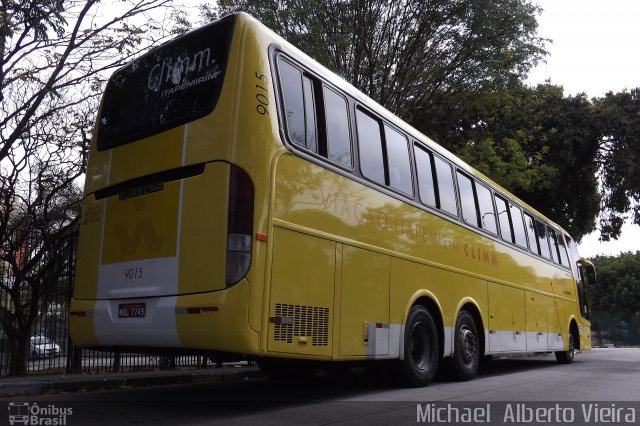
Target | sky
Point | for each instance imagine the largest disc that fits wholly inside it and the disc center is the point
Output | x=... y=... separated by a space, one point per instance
x=595 y=49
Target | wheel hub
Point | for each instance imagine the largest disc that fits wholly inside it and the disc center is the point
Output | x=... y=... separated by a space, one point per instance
x=468 y=345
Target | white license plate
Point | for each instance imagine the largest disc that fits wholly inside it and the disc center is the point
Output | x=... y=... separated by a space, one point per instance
x=132 y=310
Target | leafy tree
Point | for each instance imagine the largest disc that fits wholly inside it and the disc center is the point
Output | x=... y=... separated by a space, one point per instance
x=618 y=288
x=619 y=122
x=407 y=54
x=54 y=59
x=534 y=141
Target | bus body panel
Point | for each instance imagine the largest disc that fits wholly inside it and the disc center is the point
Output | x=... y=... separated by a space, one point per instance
x=506 y=319
x=170 y=322
x=146 y=156
x=536 y=307
x=161 y=244
x=425 y=251
x=302 y=293
x=364 y=326
x=89 y=246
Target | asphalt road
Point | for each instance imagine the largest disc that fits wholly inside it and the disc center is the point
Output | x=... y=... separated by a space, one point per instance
x=601 y=378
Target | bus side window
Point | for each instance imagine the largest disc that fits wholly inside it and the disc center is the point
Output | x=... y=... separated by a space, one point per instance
x=446 y=189
x=506 y=230
x=553 y=243
x=337 y=125
x=467 y=200
x=310 y=115
x=370 y=147
x=562 y=248
x=518 y=226
x=531 y=233
x=398 y=161
x=424 y=170
x=291 y=80
x=485 y=207
x=543 y=241
x=384 y=157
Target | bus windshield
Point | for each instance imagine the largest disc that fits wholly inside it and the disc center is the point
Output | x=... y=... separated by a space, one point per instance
x=175 y=83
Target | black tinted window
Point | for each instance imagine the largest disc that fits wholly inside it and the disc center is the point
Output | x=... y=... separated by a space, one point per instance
x=398 y=158
x=543 y=241
x=370 y=147
x=425 y=177
x=310 y=115
x=562 y=248
x=294 y=105
x=553 y=243
x=531 y=233
x=168 y=86
x=503 y=217
x=338 y=136
x=467 y=200
x=487 y=215
x=518 y=226
x=446 y=190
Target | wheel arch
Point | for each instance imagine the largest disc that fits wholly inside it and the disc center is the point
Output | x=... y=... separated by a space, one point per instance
x=430 y=302
x=470 y=305
x=575 y=330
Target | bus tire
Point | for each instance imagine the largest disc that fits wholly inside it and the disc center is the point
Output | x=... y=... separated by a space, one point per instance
x=466 y=350
x=421 y=348
x=566 y=357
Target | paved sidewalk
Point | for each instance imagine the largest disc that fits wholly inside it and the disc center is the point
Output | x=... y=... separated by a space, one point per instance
x=57 y=383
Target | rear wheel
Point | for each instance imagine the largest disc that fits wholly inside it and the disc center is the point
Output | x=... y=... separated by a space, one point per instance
x=421 y=348
x=466 y=352
x=566 y=357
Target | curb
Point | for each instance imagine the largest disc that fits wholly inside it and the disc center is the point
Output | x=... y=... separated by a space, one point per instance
x=87 y=383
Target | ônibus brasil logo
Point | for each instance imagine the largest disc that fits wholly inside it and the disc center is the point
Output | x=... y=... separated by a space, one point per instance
x=26 y=413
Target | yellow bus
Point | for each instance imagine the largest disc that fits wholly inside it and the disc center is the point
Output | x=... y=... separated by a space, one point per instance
x=241 y=198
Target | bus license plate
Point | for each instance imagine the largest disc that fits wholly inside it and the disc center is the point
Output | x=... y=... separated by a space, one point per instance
x=132 y=310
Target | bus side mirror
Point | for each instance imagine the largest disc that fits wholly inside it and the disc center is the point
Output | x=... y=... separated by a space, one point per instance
x=587 y=272
x=590 y=273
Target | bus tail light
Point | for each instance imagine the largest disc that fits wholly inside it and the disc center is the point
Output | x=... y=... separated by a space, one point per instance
x=240 y=225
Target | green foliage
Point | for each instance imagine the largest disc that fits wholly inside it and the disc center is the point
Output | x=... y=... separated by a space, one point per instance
x=404 y=53
x=535 y=142
x=618 y=287
x=40 y=16
x=619 y=123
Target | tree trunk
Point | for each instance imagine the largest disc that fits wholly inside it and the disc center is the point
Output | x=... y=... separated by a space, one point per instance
x=19 y=349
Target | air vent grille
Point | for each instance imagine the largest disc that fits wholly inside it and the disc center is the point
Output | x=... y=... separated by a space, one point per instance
x=299 y=320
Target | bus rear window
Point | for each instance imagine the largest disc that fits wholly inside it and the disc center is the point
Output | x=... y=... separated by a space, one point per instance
x=175 y=83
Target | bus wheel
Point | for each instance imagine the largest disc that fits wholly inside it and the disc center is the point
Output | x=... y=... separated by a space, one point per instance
x=421 y=350
x=566 y=357
x=466 y=352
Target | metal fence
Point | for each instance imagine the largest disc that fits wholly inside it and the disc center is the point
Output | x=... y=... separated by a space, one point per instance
x=615 y=329
x=51 y=350
x=41 y=277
